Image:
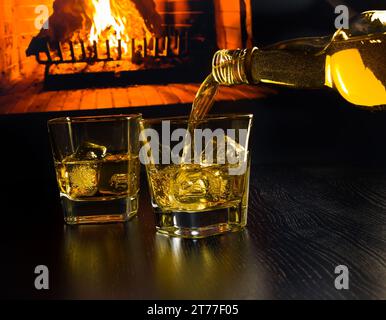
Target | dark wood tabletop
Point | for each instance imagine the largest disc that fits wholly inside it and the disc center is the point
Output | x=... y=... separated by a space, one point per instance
x=305 y=219
x=303 y=222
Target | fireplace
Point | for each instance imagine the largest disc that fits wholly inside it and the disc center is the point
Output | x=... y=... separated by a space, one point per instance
x=112 y=41
x=158 y=48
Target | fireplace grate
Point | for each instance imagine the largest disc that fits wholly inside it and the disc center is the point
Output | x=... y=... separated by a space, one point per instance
x=159 y=59
x=172 y=45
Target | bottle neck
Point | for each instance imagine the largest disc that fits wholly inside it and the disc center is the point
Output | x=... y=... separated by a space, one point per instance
x=231 y=67
x=293 y=68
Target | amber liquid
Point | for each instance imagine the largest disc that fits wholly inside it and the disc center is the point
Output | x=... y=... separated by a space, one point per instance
x=357 y=69
x=107 y=178
x=99 y=190
x=203 y=100
x=193 y=187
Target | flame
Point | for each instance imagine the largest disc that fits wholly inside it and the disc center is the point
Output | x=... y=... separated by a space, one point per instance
x=115 y=21
x=103 y=20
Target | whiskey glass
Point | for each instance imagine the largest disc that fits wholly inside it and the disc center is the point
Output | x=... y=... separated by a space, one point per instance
x=198 y=173
x=97 y=166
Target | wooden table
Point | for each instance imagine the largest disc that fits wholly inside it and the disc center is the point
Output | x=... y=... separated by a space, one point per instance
x=304 y=220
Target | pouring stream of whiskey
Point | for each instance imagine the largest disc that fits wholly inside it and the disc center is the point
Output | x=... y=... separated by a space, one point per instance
x=202 y=103
x=204 y=99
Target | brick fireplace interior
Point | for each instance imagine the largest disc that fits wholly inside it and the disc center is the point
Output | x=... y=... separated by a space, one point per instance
x=185 y=33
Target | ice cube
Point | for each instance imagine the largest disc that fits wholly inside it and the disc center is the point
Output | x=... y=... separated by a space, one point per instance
x=119 y=181
x=90 y=151
x=189 y=185
x=83 y=169
x=198 y=184
x=83 y=180
x=222 y=152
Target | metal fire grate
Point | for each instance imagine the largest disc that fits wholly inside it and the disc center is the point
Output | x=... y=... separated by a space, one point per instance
x=174 y=45
x=116 y=63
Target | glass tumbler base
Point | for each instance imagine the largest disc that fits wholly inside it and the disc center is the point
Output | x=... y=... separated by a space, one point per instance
x=119 y=209
x=201 y=224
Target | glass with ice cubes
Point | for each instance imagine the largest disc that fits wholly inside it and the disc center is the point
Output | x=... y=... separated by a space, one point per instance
x=198 y=173
x=97 y=167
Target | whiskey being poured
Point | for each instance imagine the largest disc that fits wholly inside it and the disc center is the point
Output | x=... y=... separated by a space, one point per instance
x=352 y=61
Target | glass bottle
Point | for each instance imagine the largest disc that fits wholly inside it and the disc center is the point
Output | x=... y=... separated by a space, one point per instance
x=351 y=61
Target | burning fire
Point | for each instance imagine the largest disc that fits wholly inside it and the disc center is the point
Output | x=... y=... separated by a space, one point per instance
x=115 y=20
